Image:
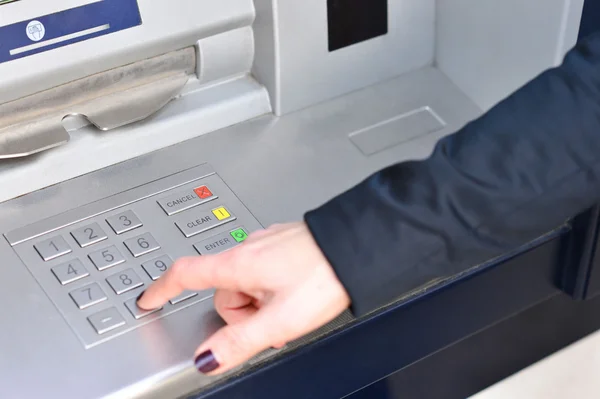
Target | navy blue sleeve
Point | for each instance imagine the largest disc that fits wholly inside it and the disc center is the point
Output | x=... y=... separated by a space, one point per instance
x=504 y=179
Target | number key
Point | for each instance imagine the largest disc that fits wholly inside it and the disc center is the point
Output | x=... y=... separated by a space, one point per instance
x=106 y=258
x=156 y=267
x=89 y=235
x=135 y=310
x=88 y=296
x=142 y=245
x=124 y=281
x=124 y=222
x=70 y=272
x=52 y=248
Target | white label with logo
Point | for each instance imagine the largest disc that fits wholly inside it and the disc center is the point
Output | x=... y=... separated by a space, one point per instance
x=36 y=31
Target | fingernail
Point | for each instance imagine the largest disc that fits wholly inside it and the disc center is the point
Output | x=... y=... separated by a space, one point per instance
x=206 y=362
x=139 y=296
x=138 y=299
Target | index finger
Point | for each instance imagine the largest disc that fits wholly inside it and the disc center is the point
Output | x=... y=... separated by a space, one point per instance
x=193 y=273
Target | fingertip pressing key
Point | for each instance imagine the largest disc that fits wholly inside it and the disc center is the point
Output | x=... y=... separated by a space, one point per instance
x=137 y=302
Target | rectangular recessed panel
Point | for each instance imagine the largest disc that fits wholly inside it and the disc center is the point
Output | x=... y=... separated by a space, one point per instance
x=94 y=284
x=397 y=130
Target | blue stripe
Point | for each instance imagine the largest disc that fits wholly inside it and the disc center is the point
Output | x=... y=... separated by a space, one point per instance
x=119 y=14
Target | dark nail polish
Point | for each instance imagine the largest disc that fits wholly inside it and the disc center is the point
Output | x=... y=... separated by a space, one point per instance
x=206 y=362
x=137 y=300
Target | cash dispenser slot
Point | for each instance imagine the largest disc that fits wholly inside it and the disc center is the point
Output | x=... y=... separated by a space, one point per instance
x=108 y=100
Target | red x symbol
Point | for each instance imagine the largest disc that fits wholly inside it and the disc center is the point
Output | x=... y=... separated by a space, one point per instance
x=203 y=192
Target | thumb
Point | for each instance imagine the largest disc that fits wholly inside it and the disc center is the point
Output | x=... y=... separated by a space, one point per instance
x=234 y=344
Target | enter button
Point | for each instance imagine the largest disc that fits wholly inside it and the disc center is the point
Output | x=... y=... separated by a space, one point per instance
x=216 y=244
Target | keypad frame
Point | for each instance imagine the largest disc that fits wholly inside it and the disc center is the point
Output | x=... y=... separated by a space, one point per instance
x=154 y=220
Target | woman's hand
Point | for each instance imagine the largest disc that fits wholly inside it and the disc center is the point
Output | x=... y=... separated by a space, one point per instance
x=274 y=288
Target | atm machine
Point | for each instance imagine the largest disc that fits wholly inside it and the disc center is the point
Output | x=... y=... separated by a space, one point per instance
x=123 y=123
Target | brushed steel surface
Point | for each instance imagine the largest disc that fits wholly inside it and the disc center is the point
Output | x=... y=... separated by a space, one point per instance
x=273 y=169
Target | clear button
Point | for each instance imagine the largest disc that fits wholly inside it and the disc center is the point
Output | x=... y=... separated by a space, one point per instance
x=199 y=222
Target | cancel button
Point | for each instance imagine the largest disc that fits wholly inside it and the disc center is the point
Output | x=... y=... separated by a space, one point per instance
x=181 y=201
x=199 y=222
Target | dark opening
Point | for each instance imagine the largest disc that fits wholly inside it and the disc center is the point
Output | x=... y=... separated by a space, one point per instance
x=354 y=21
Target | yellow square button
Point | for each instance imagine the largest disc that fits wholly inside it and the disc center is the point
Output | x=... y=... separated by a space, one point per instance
x=221 y=213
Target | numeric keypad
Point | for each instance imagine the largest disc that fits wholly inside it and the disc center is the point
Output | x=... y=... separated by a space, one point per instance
x=93 y=266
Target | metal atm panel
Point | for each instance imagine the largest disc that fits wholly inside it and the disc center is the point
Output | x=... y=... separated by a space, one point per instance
x=246 y=115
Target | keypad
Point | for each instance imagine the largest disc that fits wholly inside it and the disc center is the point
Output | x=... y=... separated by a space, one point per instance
x=157 y=267
x=89 y=235
x=88 y=295
x=142 y=245
x=93 y=268
x=124 y=222
x=106 y=320
x=70 y=272
x=106 y=258
x=52 y=248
